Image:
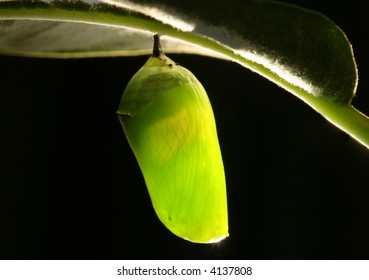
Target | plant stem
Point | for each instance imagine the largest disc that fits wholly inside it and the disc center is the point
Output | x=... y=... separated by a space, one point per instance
x=346 y=118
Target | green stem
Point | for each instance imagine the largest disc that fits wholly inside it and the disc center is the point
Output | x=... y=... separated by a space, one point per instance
x=348 y=119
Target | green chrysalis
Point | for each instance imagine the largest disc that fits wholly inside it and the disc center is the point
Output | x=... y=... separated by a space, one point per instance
x=169 y=123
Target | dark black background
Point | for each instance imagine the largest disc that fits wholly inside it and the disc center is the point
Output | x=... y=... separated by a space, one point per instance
x=71 y=188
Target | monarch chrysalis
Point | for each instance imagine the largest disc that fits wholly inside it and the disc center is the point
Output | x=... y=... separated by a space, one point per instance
x=169 y=123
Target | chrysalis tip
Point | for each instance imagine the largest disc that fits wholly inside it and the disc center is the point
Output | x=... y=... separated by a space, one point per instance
x=216 y=240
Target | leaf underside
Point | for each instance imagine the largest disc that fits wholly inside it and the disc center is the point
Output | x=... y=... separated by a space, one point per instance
x=300 y=50
x=299 y=47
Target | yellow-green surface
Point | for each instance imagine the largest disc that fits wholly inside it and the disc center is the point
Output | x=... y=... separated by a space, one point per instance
x=169 y=123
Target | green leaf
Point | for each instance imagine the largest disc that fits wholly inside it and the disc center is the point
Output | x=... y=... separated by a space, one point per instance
x=301 y=50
